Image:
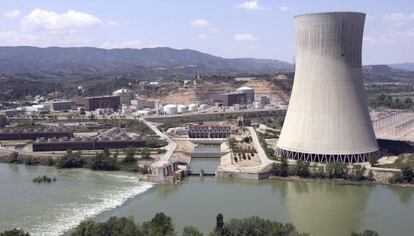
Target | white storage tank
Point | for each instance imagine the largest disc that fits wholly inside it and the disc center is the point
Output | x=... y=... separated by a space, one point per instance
x=203 y=106
x=170 y=109
x=249 y=93
x=192 y=107
x=257 y=105
x=182 y=108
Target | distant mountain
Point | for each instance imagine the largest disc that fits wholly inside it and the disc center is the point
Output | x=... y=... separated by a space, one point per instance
x=148 y=61
x=385 y=73
x=403 y=66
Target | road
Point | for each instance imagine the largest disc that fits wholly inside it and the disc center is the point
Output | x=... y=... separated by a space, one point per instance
x=262 y=154
x=164 y=159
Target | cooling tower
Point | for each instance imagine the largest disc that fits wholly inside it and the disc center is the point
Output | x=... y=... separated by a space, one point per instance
x=328 y=118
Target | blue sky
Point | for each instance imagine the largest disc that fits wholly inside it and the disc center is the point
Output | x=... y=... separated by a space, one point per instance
x=227 y=28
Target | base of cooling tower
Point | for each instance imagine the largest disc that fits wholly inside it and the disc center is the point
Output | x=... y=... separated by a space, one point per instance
x=322 y=158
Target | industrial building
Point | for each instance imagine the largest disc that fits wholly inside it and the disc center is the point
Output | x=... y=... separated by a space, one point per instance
x=100 y=143
x=125 y=96
x=230 y=99
x=210 y=131
x=93 y=103
x=33 y=134
x=59 y=105
x=327 y=118
x=140 y=103
x=249 y=93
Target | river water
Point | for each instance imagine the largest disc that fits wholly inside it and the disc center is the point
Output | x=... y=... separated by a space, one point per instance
x=320 y=208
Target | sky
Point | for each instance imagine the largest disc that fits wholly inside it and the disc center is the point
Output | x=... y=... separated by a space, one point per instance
x=226 y=28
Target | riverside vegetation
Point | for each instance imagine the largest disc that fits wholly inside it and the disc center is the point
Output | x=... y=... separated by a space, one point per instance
x=162 y=225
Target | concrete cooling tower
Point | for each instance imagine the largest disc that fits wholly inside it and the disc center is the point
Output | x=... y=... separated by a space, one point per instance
x=328 y=118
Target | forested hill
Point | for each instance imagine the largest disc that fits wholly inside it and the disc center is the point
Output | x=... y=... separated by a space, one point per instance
x=55 y=61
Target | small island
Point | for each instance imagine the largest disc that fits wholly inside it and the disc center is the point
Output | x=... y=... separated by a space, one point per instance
x=43 y=179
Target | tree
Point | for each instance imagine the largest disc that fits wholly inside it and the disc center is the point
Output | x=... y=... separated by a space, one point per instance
x=301 y=168
x=145 y=153
x=191 y=231
x=336 y=170
x=3 y=121
x=129 y=155
x=14 y=232
x=103 y=162
x=373 y=161
x=367 y=232
x=282 y=168
x=161 y=225
x=70 y=160
x=358 y=173
x=232 y=143
x=219 y=223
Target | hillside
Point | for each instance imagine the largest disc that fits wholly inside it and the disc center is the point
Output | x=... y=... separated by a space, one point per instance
x=147 y=62
x=403 y=66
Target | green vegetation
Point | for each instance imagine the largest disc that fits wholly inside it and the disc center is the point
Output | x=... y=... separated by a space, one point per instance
x=395 y=101
x=367 y=232
x=129 y=155
x=270 y=152
x=103 y=161
x=272 y=119
x=401 y=161
x=14 y=232
x=44 y=179
x=332 y=170
x=406 y=176
x=282 y=168
x=70 y=160
x=3 y=121
x=162 y=225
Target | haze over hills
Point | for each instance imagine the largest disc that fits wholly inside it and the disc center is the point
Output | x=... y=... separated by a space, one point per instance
x=86 y=60
x=403 y=66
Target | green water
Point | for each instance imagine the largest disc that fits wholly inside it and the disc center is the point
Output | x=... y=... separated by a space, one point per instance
x=321 y=208
x=52 y=209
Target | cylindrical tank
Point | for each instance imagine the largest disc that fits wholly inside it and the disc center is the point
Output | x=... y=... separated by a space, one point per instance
x=170 y=109
x=258 y=105
x=327 y=118
x=203 y=106
x=192 y=107
x=182 y=108
x=249 y=93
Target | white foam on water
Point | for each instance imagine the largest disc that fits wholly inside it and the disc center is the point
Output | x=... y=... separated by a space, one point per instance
x=75 y=212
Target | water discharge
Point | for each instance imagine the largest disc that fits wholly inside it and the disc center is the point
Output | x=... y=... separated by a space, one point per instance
x=55 y=208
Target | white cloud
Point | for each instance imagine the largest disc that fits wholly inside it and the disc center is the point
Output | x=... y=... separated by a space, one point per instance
x=284 y=8
x=245 y=37
x=113 y=23
x=199 y=23
x=391 y=38
x=398 y=18
x=202 y=36
x=252 y=5
x=52 y=21
x=12 y=14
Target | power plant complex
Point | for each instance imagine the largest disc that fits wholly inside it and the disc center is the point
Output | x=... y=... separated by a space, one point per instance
x=328 y=118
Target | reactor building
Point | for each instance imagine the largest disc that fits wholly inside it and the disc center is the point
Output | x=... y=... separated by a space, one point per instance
x=328 y=118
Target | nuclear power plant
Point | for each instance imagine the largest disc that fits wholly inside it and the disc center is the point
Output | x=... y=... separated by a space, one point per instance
x=328 y=118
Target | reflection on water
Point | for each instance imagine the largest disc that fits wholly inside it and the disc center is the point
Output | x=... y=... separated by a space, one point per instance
x=321 y=208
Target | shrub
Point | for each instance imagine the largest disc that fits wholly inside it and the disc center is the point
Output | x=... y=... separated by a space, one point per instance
x=281 y=169
x=103 y=162
x=70 y=160
x=358 y=173
x=336 y=170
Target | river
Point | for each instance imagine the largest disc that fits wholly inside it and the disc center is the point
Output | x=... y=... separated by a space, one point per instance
x=318 y=207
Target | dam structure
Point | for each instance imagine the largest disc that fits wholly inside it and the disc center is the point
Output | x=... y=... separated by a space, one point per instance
x=328 y=118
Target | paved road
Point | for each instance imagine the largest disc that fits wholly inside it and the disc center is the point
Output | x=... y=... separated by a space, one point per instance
x=262 y=154
x=170 y=147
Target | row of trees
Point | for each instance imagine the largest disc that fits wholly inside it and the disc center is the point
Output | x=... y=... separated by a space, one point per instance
x=406 y=176
x=331 y=170
x=103 y=160
x=162 y=225
x=389 y=101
